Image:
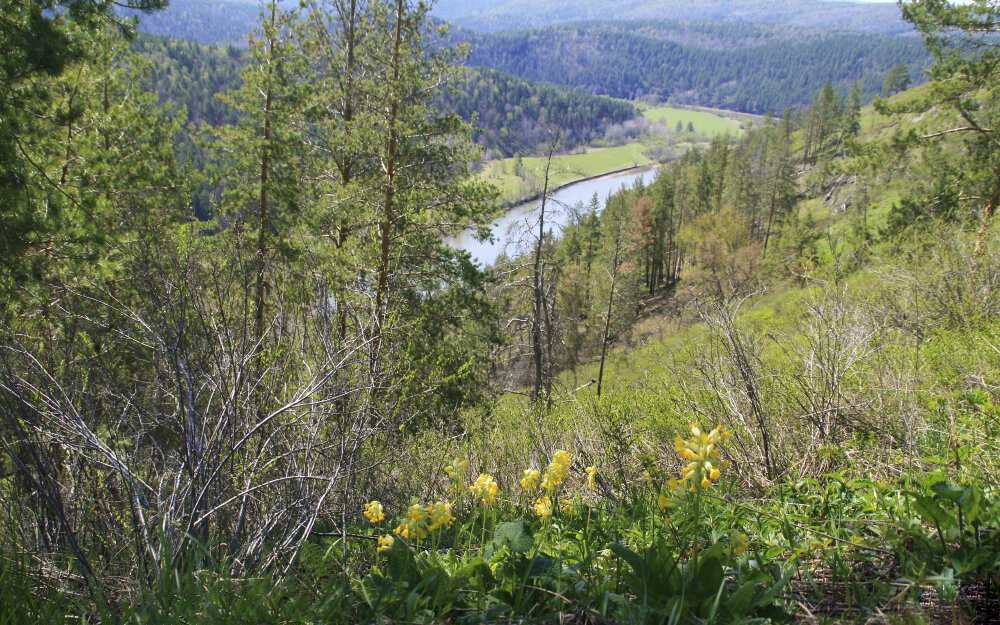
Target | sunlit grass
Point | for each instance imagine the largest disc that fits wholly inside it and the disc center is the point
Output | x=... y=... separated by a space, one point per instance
x=707 y=122
x=565 y=169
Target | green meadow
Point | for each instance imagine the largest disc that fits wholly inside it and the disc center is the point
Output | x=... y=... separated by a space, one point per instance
x=566 y=169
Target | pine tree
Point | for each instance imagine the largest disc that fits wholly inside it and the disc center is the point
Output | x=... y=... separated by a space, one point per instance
x=261 y=155
x=897 y=79
x=966 y=81
x=851 y=122
x=41 y=206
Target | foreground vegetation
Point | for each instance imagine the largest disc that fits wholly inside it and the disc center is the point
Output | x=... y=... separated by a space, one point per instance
x=760 y=389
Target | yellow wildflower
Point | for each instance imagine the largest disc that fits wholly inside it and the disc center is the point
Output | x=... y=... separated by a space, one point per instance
x=700 y=450
x=486 y=489
x=556 y=472
x=422 y=520
x=385 y=543
x=440 y=516
x=530 y=480
x=415 y=525
x=543 y=507
x=591 y=477
x=673 y=498
x=373 y=512
x=663 y=502
x=456 y=473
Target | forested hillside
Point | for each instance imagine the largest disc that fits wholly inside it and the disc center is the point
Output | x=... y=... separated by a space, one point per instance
x=726 y=64
x=204 y=21
x=192 y=75
x=633 y=63
x=230 y=21
x=514 y=115
x=763 y=388
x=510 y=114
x=495 y=15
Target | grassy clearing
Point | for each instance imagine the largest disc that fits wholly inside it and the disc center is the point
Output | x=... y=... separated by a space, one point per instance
x=706 y=122
x=519 y=182
x=566 y=169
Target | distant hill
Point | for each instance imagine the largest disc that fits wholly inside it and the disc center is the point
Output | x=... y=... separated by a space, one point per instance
x=227 y=21
x=204 y=21
x=746 y=68
x=494 y=15
x=727 y=64
x=513 y=113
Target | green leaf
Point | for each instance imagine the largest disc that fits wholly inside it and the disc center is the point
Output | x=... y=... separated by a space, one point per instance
x=710 y=576
x=631 y=558
x=479 y=570
x=972 y=507
x=401 y=564
x=515 y=535
x=948 y=491
x=536 y=567
x=738 y=603
x=933 y=513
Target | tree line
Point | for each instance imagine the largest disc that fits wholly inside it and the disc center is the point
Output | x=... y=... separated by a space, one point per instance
x=220 y=383
x=767 y=77
x=509 y=114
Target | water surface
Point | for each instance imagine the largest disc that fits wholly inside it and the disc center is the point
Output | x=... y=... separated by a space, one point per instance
x=514 y=232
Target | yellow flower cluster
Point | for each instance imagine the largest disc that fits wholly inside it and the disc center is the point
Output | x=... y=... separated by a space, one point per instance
x=456 y=473
x=556 y=472
x=441 y=515
x=543 y=507
x=373 y=512
x=385 y=543
x=700 y=451
x=485 y=488
x=591 y=477
x=530 y=480
x=422 y=520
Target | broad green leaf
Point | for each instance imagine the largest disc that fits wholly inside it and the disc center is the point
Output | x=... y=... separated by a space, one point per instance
x=515 y=535
x=933 y=513
x=948 y=491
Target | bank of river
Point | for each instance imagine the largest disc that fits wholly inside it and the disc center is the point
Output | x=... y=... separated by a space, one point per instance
x=512 y=232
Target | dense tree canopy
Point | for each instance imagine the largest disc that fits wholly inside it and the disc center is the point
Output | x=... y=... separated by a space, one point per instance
x=767 y=77
x=516 y=115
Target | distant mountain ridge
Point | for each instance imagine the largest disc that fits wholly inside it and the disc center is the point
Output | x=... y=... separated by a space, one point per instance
x=230 y=21
x=725 y=63
x=494 y=15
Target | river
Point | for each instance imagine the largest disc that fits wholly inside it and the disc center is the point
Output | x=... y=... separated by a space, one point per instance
x=512 y=233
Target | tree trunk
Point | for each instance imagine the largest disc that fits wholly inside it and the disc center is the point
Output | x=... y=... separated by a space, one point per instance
x=388 y=215
x=538 y=280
